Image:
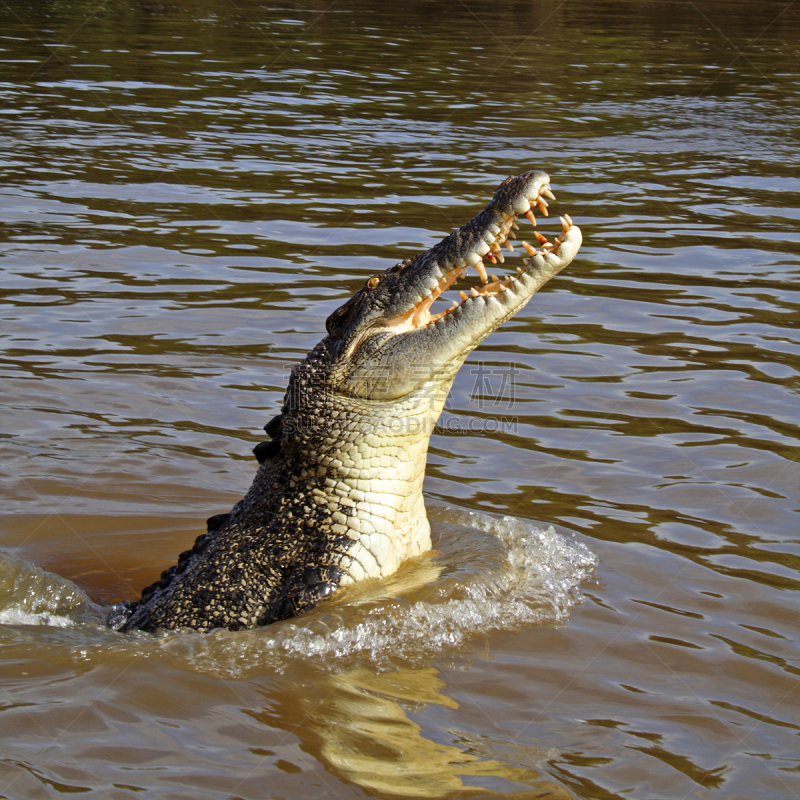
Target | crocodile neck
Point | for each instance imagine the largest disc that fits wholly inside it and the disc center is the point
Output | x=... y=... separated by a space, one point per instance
x=353 y=471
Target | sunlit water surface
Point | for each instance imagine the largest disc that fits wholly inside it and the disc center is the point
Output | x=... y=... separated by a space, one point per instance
x=188 y=190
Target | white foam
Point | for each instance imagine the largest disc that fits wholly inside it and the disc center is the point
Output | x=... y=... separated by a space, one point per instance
x=14 y=615
x=492 y=573
x=536 y=585
x=489 y=573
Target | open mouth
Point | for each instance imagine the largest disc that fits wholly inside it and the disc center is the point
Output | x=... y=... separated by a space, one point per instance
x=488 y=246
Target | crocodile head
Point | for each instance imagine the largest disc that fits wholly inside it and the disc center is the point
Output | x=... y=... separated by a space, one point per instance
x=389 y=341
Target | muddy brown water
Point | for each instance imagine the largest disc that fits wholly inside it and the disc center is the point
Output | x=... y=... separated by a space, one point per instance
x=188 y=190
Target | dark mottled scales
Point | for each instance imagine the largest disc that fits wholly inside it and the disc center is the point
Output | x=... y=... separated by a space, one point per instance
x=241 y=575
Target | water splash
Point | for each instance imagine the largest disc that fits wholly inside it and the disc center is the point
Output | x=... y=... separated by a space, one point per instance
x=487 y=573
x=31 y=596
x=490 y=573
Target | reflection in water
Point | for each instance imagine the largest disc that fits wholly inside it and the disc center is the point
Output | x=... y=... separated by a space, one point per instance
x=357 y=725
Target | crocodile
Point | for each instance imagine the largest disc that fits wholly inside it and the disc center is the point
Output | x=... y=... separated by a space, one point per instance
x=337 y=497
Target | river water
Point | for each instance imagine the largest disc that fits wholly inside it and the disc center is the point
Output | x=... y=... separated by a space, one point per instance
x=187 y=190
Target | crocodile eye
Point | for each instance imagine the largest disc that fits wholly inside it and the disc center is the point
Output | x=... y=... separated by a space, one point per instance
x=373 y=282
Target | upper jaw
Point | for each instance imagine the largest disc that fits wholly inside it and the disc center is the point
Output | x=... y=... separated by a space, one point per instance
x=494 y=300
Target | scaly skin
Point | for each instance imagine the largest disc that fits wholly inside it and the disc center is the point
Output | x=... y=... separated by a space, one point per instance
x=338 y=495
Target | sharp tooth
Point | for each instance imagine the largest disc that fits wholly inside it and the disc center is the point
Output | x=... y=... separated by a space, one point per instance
x=481 y=270
x=564 y=225
x=509 y=245
x=542 y=206
x=519 y=269
x=473 y=291
x=529 y=215
x=547 y=193
x=515 y=226
x=455 y=305
x=568 y=219
x=490 y=256
x=499 y=255
x=542 y=239
x=463 y=296
x=528 y=249
x=494 y=278
x=511 y=234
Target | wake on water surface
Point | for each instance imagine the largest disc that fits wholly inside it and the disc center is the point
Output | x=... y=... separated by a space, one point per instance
x=487 y=573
